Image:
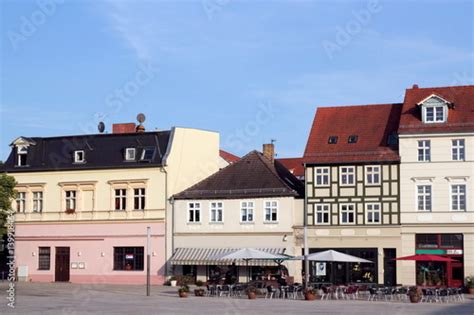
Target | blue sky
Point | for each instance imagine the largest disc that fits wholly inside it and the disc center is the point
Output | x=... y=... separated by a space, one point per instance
x=253 y=71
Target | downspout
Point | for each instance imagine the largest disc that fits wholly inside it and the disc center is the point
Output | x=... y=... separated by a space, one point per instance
x=305 y=226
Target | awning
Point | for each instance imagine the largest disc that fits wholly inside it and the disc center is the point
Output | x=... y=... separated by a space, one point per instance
x=202 y=256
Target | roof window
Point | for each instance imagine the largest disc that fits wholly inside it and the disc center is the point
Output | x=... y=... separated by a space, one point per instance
x=332 y=140
x=352 y=139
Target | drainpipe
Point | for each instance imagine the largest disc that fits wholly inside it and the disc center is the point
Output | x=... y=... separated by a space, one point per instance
x=305 y=223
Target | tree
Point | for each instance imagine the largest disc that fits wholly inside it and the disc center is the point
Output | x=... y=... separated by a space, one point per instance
x=7 y=194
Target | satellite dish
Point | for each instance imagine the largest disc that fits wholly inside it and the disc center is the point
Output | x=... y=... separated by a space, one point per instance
x=101 y=127
x=141 y=118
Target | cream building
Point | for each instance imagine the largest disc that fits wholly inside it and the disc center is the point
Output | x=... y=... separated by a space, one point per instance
x=85 y=202
x=437 y=173
x=251 y=203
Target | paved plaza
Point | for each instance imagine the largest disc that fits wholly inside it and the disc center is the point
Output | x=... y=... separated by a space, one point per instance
x=36 y=298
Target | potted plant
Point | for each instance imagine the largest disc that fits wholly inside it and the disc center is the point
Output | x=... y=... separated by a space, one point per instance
x=70 y=211
x=310 y=294
x=415 y=294
x=470 y=284
x=183 y=291
x=199 y=291
x=251 y=292
x=173 y=281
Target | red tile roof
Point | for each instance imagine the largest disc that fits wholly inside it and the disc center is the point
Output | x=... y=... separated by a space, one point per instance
x=124 y=128
x=294 y=165
x=460 y=118
x=229 y=157
x=372 y=124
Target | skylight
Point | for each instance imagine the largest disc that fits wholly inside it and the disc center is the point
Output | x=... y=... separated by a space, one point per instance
x=332 y=140
x=148 y=154
x=352 y=139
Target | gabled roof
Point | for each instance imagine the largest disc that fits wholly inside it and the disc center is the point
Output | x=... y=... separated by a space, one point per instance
x=371 y=124
x=229 y=157
x=102 y=151
x=294 y=165
x=460 y=115
x=252 y=176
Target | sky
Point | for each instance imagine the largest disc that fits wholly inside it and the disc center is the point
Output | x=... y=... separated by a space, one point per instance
x=254 y=71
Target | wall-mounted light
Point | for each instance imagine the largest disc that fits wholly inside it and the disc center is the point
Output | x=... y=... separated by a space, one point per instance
x=102 y=254
x=79 y=254
x=153 y=254
x=33 y=254
x=285 y=238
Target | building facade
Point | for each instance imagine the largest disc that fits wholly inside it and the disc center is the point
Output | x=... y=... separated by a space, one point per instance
x=252 y=203
x=84 y=202
x=352 y=176
x=437 y=172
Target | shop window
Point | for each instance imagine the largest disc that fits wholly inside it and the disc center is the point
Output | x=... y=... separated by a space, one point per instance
x=452 y=240
x=128 y=258
x=427 y=241
x=44 y=258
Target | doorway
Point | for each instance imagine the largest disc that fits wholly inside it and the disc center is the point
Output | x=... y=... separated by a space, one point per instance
x=62 y=264
x=389 y=267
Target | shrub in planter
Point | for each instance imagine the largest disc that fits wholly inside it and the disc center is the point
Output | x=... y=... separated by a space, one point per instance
x=70 y=211
x=470 y=284
x=199 y=291
x=415 y=294
x=251 y=293
x=310 y=294
x=183 y=291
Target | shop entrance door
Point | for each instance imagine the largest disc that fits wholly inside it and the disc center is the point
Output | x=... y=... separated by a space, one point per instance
x=455 y=274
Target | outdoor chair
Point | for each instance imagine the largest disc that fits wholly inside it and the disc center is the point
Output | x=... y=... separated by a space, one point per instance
x=211 y=290
x=224 y=290
x=298 y=292
x=373 y=294
x=271 y=292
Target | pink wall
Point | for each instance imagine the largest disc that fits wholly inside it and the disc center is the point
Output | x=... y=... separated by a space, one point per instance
x=91 y=243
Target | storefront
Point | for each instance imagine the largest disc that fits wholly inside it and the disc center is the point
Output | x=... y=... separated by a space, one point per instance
x=449 y=274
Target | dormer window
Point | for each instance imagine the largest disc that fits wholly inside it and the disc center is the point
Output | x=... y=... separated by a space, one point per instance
x=352 y=139
x=130 y=154
x=21 y=153
x=79 y=156
x=332 y=140
x=434 y=109
x=147 y=154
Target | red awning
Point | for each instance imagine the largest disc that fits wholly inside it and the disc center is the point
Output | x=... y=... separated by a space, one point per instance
x=426 y=257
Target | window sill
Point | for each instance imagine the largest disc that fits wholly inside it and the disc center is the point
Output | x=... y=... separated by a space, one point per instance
x=347 y=185
x=270 y=222
x=193 y=223
x=247 y=223
x=216 y=223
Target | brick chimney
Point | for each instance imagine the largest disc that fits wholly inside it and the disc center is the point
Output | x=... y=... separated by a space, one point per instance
x=124 y=128
x=269 y=151
x=415 y=86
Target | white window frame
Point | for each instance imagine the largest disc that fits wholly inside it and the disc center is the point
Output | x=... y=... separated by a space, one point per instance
x=322 y=173
x=458 y=149
x=140 y=194
x=369 y=209
x=122 y=197
x=142 y=158
x=322 y=208
x=70 y=199
x=371 y=174
x=214 y=208
x=348 y=174
x=245 y=210
x=353 y=211
x=76 y=156
x=436 y=110
x=133 y=152
x=195 y=209
x=424 y=195
x=453 y=194
x=37 y=201
x=424 y=146
x=21 y=202
x=273 y=206
x=21 y=151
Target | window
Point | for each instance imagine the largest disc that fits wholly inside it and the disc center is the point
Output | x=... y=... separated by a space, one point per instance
x=458 y=197
x=70 y=200
x=332 y=140
x=271 y=211
x=216 y=212
x=21 y=202
x=352 y=139
x=128 y=258
x=44 y=258
x=347 y=175
x=139 y=198
x=322 y=176
x=322 y=214
x=426 y=241
x=424 y=197
x=120 y=199
x=246 y=211
x=434 y=114
x=194 y=211
x=347 y=213
x=424 y=152
x=451 y=241
x=21 y=152
x=458 y=150
x=37 y=201
x=372 y=175
x=130 y=154
x=79 y=157
x=148 y=154
x=392 y=139
x=372 y=211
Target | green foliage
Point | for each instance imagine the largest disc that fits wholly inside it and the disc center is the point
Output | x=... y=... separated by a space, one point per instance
x=7 y=194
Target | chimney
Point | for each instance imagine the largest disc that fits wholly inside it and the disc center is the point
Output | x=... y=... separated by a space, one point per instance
x=140 y=128
x=123 y=128
x=415 y=86
x=269 y=151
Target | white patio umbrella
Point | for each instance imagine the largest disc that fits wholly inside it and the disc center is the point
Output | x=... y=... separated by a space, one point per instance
x=248 y=254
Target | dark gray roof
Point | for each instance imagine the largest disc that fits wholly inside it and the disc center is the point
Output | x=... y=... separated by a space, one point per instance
x=102 y=151
x=251 y=176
